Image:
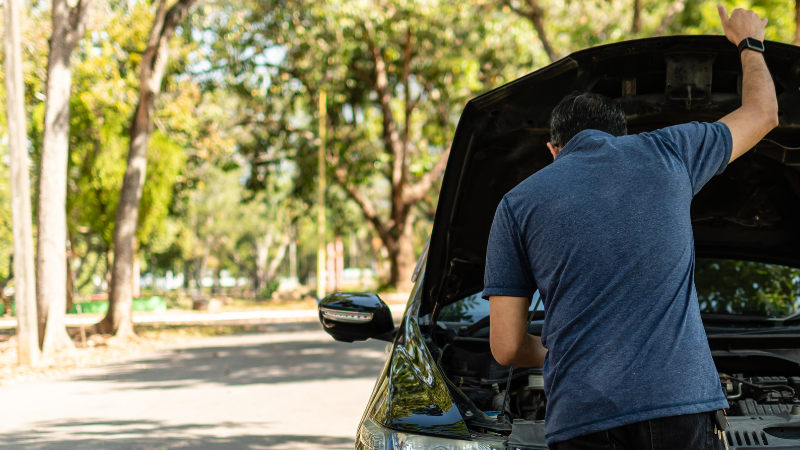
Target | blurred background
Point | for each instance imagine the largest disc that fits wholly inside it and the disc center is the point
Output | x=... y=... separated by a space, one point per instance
x=202 y=157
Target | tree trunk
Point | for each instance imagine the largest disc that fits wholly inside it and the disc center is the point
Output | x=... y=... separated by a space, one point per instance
x=293 y=259
x=186 y=275
x=70 y=276
x=535 y=15
x=25 y=283
x=201 y=272
x=262 y=256
x=6 y=299
x=637 y=9
x=278 y=259
x=69 y=24
x=118 y=320
x=215 y=289
x=401 y=257
x=797 y=22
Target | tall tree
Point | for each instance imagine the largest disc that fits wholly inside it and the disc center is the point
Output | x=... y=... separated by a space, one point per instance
x=797 y=22
x=24 y=283
x=69 y=25
x=535 y=14
x=636 y=22
x=118 y=320
x=397 y=73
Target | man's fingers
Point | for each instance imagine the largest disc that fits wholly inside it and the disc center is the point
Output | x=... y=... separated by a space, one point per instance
x=765 y=21
x=723 y=15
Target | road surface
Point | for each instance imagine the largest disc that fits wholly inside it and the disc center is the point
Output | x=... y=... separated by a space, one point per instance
x=204 y=318
x=295 y=388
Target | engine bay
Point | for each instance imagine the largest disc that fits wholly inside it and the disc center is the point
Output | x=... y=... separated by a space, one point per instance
x=507 y=402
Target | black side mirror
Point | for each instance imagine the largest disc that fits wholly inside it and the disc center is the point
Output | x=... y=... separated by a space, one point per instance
x=356 y=316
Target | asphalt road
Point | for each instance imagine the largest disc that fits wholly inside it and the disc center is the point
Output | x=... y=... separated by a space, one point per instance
x=294 y=388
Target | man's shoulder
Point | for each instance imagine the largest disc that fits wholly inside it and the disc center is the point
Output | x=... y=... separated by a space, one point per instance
x=527 y=193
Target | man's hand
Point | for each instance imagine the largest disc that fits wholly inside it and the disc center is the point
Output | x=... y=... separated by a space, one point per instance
x=741 y=24
x=508 y=334
x=759 y=112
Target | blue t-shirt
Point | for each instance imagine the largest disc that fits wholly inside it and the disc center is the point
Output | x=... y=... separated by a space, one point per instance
x=605 y=234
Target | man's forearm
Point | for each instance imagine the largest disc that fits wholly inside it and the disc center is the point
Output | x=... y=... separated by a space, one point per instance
x=758 y=89
x=758 y=114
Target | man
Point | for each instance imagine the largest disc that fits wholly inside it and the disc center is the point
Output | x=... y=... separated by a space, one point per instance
x=605 y=235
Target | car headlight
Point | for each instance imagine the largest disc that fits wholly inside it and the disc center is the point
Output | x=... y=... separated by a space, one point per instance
x=375 y=437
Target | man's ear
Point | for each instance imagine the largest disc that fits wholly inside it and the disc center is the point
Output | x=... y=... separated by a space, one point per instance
x=553 y=149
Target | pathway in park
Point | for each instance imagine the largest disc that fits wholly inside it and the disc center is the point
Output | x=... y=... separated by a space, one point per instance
x=293 y=388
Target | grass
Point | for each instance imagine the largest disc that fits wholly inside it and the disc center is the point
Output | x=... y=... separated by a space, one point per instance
x=227 y=304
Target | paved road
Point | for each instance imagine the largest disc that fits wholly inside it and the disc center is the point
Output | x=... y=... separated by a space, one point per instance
x=294 y=388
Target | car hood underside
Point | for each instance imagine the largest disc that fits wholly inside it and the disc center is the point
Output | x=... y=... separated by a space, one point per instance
x=751 y=211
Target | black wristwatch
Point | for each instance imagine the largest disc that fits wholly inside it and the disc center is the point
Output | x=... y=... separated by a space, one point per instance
x=751 y=44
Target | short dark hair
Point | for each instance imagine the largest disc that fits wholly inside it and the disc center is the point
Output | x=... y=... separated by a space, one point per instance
x=586 y=111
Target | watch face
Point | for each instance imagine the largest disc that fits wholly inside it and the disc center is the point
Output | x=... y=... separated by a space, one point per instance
x=755 y=44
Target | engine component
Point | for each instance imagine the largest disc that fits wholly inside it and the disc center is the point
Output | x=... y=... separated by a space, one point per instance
x=499 y=400
x=527 y=434
x=536 y=380
x=531 y=400
x=749 y=407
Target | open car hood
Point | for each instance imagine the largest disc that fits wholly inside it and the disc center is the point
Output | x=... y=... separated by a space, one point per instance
x=751 y=211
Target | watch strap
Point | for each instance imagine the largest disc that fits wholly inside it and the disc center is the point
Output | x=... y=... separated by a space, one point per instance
x=751 y=44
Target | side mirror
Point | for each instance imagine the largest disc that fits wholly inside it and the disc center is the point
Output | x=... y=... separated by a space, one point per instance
x=356 y=316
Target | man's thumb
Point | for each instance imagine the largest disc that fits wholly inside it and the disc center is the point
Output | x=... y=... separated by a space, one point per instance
x=765 y=21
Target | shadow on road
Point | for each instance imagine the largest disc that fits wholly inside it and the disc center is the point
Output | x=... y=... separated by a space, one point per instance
x=150 y=435
x=248 y=363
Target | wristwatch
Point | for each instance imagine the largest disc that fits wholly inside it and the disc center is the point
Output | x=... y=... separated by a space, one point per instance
x=751 y=44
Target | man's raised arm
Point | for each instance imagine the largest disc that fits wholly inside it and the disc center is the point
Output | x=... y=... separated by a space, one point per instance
x=758 y=114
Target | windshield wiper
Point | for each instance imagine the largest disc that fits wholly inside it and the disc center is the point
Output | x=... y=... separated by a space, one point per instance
x=792 y=318
x=749 y=331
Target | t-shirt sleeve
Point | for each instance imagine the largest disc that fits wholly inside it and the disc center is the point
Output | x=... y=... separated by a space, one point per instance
x=507 y=272
x=704 y=148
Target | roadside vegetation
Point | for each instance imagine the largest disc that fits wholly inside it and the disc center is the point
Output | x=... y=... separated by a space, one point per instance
x=174 y=145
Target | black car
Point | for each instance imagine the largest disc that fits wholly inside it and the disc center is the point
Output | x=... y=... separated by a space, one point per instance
x=441 y=388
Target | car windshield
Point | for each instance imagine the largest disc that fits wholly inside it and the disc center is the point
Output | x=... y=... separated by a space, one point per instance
x=475 y=308
x=728 y=286
x=724 y=286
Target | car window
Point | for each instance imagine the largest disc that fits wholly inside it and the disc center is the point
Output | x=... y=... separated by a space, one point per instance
x=474 y=308
x=728 y=286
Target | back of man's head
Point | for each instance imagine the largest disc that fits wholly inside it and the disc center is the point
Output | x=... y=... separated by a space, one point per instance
x=586 y=111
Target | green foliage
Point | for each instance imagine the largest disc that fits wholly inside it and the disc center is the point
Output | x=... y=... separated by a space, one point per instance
x=744 y=287
x=6 y=236
x=106 y=86
x=271 y=288
x=233 y=157
x=165 y=162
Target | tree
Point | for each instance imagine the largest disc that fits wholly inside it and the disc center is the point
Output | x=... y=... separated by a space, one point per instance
x=635 y=23
x=69 y=25
x=745 y=287
x=397 y=74
x=154 y=62
x=25 y=283
x=797 y=22
x=535 y=15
